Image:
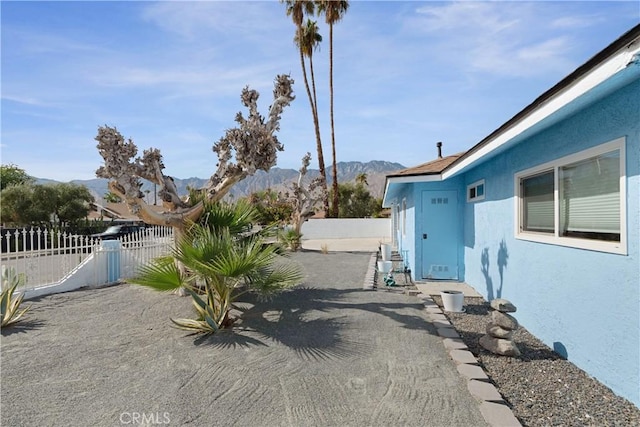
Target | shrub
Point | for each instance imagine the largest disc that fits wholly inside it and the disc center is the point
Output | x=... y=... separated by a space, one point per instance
x=10 y=306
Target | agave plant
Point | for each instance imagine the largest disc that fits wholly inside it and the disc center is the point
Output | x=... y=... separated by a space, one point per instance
x=10 y=306
x=216 y=261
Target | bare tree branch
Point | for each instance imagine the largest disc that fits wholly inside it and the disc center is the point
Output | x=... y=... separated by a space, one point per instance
x=303 y=198
x=243 y=150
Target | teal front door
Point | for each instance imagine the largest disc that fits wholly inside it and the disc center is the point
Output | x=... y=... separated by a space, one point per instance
x=439 y=233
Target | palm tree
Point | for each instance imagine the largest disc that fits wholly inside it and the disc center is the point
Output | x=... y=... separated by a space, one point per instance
x=222 y=262
x=361 y=179
x=297 y=10
x=309 y=41
x=333 y=11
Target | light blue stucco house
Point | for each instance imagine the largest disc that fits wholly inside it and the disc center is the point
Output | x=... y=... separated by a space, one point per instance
x=545 y=212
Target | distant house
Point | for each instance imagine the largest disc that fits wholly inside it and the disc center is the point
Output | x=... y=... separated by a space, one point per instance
x=118 y=212
x=545 y=211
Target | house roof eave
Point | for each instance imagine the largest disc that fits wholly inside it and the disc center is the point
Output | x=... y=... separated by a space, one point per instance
x=622 y=57
x=394 y=183
x=613 y=59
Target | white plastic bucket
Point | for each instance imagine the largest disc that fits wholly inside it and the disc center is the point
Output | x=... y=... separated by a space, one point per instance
x=384 y=266
x=385 y=250
x=452 y=300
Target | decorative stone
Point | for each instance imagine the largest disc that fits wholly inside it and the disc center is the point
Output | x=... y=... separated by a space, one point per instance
x=483 y=391
x=499 y=336
x=442 y=324
x=462 y=356
x=498 y=414
x=454 y=344
x=499 y=332
x=499 y=346
x=447 y=332
x=503 y=305
x=472 y=372
x=505 y=321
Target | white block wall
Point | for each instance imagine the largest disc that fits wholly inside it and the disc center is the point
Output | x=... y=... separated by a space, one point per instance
x=347 y=228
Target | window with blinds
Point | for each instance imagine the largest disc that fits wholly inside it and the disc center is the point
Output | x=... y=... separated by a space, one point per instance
x=537 y=203
x=576 y=201
x=590 y=198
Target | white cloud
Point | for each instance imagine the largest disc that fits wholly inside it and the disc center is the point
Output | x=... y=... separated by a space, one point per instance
x=242 y=19
x=27 y=100
x=571 y=22
x=479 y=17
x=42 y=42
x=510 y=39
x=194 y=79
x=523 y=60
x=169 y=74
x=547 y=49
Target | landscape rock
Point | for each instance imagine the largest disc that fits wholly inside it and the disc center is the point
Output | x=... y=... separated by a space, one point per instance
x=503 y=305
x=499 y=332
x=499 y=346
x=504 y=320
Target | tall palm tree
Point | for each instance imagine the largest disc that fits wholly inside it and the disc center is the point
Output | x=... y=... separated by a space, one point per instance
x=297 y=9
x=309 y=41
x=333 y=11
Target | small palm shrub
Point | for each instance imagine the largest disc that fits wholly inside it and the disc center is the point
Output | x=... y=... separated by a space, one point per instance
x=216 y=261
x=10 y=305
x=291 y=238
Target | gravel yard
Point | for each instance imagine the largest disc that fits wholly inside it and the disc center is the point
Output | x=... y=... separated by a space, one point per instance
x=541 y=388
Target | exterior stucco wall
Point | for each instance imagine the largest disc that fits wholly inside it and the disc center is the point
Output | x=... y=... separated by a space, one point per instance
x=415 y=221
x=584 y=304
x=405 y=236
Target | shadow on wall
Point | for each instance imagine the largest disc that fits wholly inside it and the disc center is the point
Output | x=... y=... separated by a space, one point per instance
x=485 y=262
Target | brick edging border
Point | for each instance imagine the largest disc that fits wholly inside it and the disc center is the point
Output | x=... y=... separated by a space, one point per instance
x=492 y=405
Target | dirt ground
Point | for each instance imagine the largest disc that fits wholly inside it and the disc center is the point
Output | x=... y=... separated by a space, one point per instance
x=325 y=353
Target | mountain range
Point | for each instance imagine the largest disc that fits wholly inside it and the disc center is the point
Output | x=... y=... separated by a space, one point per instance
x=275 y=179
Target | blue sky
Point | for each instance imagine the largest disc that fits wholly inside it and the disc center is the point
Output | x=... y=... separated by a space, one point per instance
x=169 y=75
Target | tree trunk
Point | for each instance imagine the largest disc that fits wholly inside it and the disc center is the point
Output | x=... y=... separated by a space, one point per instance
x=334 y=211
x=316 y=125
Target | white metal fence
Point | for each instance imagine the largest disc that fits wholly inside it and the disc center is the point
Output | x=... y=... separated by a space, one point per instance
x=51 y=262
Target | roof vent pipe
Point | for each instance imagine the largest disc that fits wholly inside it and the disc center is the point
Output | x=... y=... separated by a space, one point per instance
x=439 y=145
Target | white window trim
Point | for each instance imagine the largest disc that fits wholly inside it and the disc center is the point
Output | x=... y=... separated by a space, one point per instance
x=555 y=239
x=476 y=185
x=396 y=214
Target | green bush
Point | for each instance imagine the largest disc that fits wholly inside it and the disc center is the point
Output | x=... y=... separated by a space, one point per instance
x=216 y=261
x=290 y=238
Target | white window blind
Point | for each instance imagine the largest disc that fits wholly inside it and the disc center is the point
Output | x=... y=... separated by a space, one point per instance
x=576 y=201
x=590 y=197
x=537 y=203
